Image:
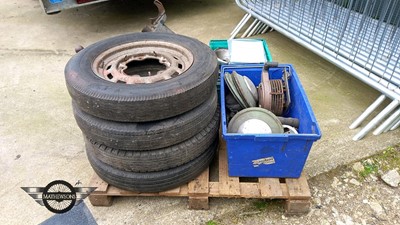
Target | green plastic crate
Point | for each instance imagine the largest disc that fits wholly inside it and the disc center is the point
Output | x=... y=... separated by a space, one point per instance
x=215 y=44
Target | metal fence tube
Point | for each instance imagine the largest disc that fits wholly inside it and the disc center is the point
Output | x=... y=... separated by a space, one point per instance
x=374 y=122
x=367 y=112
x=388 y=122
x=397 y=125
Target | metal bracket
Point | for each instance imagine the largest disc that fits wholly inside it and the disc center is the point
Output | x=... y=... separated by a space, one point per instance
x=157 y=24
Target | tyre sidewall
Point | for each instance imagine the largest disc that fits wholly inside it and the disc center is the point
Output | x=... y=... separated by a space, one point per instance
x=141 y=102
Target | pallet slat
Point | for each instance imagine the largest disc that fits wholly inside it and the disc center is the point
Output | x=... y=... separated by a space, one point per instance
x=171 y=192
x=249 y=190
x=227 y=185
x=270 y=187
x=298 y=188
x=96 y=181
x=199 y=186
x=97 y=198
x=296 y=192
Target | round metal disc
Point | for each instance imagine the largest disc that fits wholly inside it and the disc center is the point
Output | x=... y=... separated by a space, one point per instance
x=264 y=96
x=243 y=90
x=234 y=91
x=254 y=126
x=250 y=85
x=222 y=55
x=244 y=121
x=289 y=129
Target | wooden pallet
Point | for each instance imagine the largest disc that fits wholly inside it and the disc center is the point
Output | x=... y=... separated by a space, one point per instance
x=296 y=192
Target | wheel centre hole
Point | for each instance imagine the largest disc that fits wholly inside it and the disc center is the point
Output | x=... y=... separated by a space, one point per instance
x=144 y=68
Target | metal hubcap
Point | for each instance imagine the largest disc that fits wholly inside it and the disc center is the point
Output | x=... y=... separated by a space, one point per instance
x=142 y=62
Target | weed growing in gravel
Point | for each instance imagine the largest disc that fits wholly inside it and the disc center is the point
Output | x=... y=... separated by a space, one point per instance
x=211 y=222
x=386 y=160
x=389 y=159
x=370 y=167
x=260 y=204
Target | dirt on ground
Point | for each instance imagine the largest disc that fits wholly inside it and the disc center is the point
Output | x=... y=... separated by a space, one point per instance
x=353 y=194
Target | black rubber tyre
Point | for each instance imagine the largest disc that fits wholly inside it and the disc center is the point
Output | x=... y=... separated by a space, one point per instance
x=147 y=135
x=160 y=159
x=153 y=181
x=141 y=102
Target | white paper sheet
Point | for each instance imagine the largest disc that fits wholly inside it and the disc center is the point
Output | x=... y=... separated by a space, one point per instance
x=246 y=51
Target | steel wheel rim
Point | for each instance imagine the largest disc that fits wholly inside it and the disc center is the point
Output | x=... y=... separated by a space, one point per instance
x=142 y=62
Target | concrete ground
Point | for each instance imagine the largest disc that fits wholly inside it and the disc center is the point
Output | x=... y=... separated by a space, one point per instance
x=40 y=141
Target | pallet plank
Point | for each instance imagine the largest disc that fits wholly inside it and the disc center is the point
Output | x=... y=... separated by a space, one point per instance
x=227 y=185
x=171 y=192
x=198 y=202
x=101 y=188
x=296 y=192
x=270 y=187
x=100 y=200
x=296 y=207
x=298 y=188
x=285 y=192
x=184 y=190
x=199 y=186
x=100 y=184
x=249 y=190
x=214 y=189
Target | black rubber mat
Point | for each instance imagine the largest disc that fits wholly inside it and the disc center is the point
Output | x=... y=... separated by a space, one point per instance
x=79 y=215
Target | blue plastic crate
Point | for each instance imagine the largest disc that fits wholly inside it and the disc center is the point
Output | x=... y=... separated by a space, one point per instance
x=284 y=155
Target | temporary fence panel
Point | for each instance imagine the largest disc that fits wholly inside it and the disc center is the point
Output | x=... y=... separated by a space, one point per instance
x=360 y=36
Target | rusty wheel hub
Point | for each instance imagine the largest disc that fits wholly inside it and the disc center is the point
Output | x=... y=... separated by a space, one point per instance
x=277 y=96
x=272 y=93
x=142 y=62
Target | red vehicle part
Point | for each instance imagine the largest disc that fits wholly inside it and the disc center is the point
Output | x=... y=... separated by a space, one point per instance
x=55 y=6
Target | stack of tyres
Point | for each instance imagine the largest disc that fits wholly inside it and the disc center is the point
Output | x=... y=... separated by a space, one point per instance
x=148 y=108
